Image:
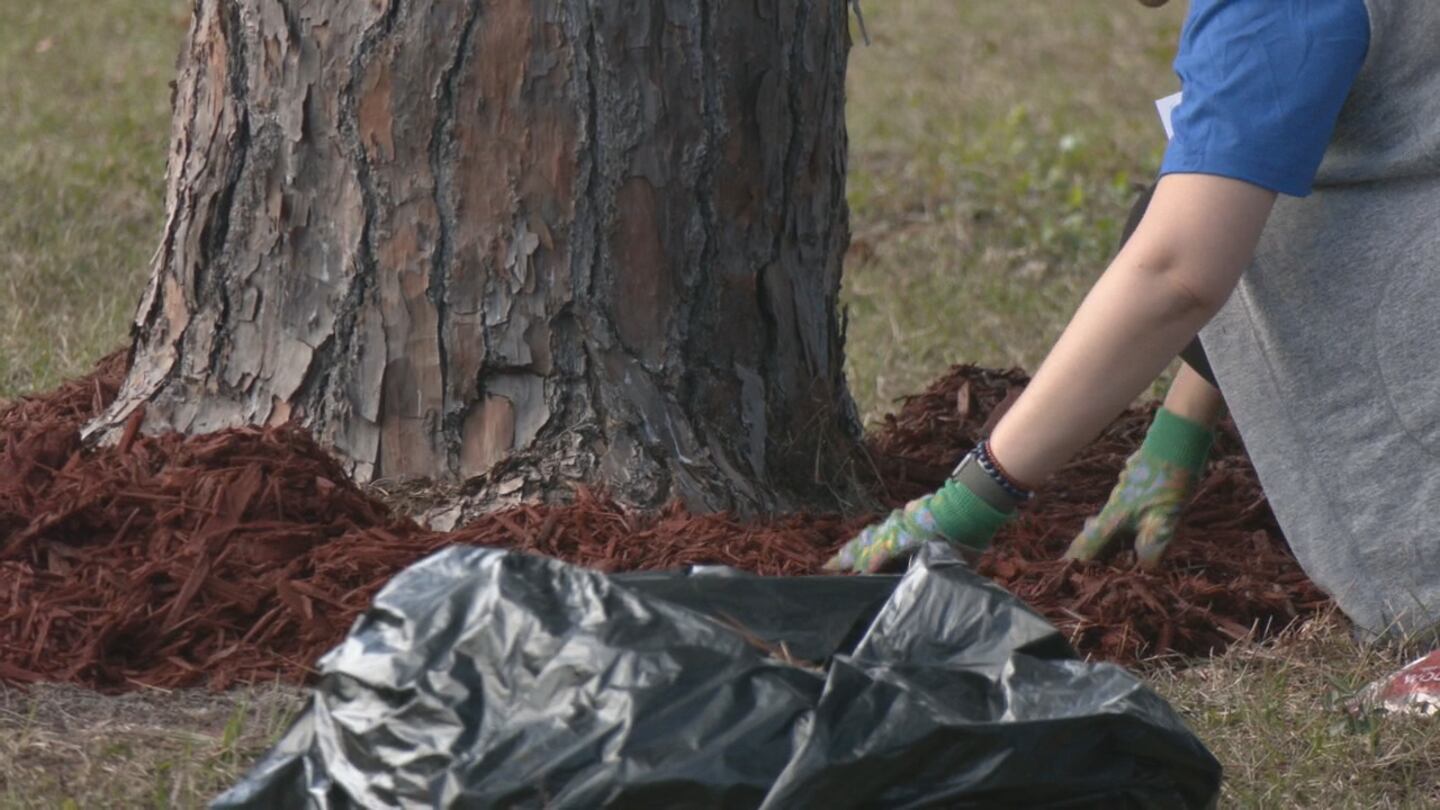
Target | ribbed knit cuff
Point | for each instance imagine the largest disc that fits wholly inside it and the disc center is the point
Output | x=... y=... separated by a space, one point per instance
x=1179 y=441
x=964 y=517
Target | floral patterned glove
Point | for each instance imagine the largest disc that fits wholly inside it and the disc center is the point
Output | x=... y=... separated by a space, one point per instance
x=1154 y=487
x=954 y=514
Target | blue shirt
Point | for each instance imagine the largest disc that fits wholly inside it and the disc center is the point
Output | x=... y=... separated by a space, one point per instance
x=1263 y=84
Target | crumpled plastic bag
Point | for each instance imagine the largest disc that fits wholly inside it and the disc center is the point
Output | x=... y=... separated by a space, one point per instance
x=483 y=678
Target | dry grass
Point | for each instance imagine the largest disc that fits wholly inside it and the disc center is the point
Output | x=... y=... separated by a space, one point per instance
x=995 y=146
x=66 y=747
x=1275 y=716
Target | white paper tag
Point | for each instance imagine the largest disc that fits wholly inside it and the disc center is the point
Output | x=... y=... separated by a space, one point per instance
x=1166 y=107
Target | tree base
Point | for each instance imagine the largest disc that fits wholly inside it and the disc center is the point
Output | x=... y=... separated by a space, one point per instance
x=529 y=243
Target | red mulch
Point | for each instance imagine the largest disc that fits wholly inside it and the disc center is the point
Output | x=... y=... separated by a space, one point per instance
x=243 y=555
x=1228 y=575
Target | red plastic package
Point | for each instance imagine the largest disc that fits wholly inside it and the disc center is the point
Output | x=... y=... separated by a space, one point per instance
x=1413 y=690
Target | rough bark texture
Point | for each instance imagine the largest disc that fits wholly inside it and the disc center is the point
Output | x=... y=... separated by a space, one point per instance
x=530 y=242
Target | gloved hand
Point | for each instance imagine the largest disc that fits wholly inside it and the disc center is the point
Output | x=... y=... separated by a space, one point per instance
x=954 y=514
x=1154 y=487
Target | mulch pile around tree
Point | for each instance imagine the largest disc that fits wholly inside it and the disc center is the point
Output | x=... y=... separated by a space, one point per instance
x=243 y=555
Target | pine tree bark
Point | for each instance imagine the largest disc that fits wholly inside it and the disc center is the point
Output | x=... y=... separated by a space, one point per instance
x=523 y=242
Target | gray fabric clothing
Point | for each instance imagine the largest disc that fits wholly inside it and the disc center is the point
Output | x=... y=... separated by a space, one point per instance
x=1328 y=353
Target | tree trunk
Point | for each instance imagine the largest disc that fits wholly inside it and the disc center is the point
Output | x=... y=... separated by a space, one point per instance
x=533 y=242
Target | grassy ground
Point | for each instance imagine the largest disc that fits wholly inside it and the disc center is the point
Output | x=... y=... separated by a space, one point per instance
x=83 y=118
x=1275 y=716
x=70 y=748
x=995 y=146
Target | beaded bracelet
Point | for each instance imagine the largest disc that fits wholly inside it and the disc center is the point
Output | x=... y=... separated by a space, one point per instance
x=986 y=458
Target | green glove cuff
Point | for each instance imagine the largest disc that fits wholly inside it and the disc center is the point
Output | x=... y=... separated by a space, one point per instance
x=1179 y=441
x=964 y=517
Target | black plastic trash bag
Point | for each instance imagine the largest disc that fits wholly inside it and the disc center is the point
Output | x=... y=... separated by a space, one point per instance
x=482 y=678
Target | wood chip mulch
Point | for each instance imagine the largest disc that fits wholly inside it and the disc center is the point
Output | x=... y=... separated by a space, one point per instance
x=1229 y=574
x=241 y=556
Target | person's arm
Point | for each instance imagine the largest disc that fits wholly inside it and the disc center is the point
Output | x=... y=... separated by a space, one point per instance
x=1172 y=276
x=1192 y=397
x=1198 y=236
x=1243 y=133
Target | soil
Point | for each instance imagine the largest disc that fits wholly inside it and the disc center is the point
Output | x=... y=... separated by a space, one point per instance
x=241 y=556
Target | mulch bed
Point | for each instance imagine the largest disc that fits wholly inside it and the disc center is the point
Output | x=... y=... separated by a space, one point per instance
x=243 y=555
x=1229 y=574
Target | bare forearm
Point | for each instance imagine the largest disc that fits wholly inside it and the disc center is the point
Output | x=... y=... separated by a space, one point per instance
x=1173 y=275
x=1193 y=397
x=1122 y=337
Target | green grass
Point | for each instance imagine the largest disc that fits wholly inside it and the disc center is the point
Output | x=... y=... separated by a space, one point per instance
x=84 y=120
x=995 y=146
x=995 y=149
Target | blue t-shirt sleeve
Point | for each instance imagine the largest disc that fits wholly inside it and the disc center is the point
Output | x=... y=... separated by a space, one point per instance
x=1263 y=84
